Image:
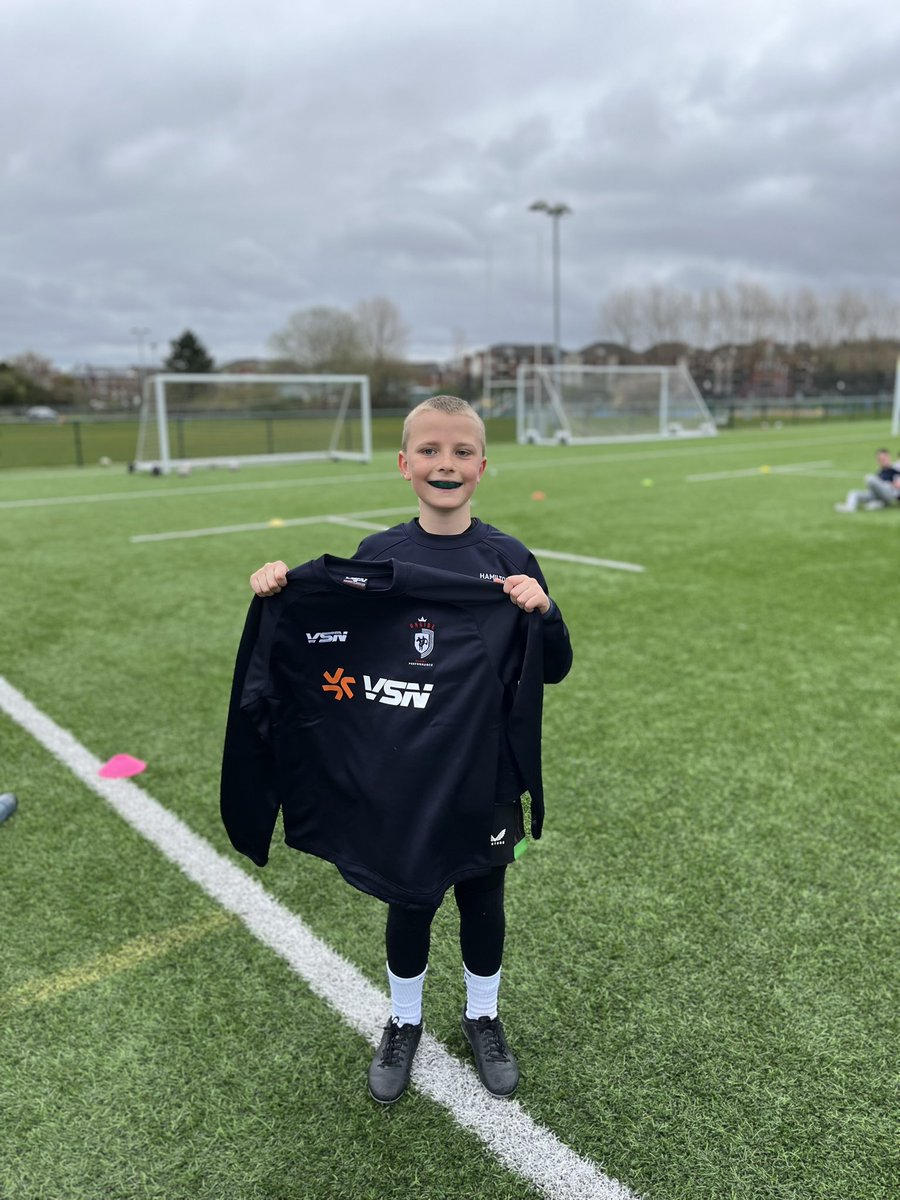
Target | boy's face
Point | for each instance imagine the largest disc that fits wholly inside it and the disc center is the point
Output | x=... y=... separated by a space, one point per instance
x=443 y=461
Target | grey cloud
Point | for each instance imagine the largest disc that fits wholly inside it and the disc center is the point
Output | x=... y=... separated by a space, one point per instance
x=220 y=166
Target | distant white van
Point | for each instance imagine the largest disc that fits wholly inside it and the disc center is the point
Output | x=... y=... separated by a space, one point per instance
x=41 y=412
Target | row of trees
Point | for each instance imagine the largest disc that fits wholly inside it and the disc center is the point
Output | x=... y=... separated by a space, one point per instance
x=370 y=339
x=743 y=314
x=727 y=334
x=31 y=379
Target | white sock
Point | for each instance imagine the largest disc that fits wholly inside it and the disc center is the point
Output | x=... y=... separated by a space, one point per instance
x=406 y=997
x=481 y=994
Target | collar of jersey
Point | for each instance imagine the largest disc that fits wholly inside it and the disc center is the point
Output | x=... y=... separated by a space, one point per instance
x=476 y=532
x=331 y=571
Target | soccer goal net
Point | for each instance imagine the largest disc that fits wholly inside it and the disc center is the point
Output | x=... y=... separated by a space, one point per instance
x=585 y=405
x=208 y=420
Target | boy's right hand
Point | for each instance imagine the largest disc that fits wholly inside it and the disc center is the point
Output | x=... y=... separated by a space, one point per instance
x=270 y=579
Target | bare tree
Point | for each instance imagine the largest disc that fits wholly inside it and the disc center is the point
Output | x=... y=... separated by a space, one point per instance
x=381 y=329
x=620 y=316
x=321 y=339
x=807 y=317
x=36 y=367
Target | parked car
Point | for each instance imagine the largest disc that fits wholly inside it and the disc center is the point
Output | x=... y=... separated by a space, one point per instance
x=41 y=412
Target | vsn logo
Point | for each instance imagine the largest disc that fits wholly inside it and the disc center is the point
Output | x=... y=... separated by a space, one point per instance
x=397 y=692
x=333 y=635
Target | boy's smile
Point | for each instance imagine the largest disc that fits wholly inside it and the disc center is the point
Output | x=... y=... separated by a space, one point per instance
x=444 y=461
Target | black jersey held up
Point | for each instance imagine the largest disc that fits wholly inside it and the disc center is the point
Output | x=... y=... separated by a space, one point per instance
x=368 y=705
x=482 y=552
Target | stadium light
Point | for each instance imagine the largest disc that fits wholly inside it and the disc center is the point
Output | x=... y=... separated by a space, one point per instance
x=554 y=211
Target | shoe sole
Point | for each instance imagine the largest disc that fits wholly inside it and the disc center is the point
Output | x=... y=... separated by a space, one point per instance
x=386 y=1103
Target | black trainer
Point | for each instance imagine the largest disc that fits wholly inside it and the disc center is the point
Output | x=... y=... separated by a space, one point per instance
x=389 y=1072
x=496 y=1063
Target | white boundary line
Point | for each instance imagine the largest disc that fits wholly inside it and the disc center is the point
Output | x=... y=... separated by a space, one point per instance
x=755 y=472
x=526 y=1148
x=290 y=522
x=163 y=493
x=356 y=520
x=611 y=563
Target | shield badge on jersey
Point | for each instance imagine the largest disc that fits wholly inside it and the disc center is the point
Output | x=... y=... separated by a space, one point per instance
x=423 y=640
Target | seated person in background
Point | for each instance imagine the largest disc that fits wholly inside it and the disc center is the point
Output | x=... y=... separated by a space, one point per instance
x=881 y=489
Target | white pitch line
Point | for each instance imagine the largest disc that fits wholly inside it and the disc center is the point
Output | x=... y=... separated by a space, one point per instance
x=520 y=1143
x=352 y=523
x=291 y=522
x=357 y=521
x=751 y=472
x=163 y=493
x=588 y=561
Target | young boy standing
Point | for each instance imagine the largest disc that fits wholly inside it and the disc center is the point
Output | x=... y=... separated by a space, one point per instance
x=443 y=458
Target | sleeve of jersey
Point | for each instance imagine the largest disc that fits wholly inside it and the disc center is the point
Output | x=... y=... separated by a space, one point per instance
x=525 y=718
x=557 y=645
x=247 y=797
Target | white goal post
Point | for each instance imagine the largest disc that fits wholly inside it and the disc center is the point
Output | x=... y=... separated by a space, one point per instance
x=192 y=420
x=895 y=420
x=574 y=405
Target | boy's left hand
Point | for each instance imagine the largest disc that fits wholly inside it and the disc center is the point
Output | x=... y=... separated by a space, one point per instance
x=527 y=593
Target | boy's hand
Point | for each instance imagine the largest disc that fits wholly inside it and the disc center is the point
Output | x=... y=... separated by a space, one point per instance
x=527 y=593
x=270 y=579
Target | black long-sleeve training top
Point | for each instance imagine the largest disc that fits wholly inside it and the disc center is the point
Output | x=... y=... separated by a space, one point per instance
x=371 y=703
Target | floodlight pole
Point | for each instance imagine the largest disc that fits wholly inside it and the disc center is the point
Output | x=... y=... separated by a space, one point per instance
x=554 y=211
x=140 y=332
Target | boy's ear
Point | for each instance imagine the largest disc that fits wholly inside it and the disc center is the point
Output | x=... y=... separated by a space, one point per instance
x=403 y=464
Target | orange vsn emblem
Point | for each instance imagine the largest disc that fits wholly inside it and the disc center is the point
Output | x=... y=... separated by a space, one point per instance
x=339 y=683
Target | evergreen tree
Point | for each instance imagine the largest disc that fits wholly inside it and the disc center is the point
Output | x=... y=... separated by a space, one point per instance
x=189 y=355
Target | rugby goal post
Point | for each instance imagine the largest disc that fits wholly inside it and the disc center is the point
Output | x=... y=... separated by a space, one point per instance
x=573 y=405
x=895 y=420
x=194 y=420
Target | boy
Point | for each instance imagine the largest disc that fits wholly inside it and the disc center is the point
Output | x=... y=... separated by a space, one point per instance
x=443 y=458
x=881 y=490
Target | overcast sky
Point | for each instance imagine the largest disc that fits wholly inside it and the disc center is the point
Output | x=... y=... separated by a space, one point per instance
x=219 y=165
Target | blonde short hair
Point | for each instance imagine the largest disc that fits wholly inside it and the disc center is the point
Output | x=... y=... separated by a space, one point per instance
x=453 y=406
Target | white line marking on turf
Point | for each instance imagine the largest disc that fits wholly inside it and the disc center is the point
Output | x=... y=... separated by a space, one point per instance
x=163 y=492
x=750 y=472
x=356 y=520
x=591 y=562
x=290 y=522
x=352 y=523
x=523 y=1146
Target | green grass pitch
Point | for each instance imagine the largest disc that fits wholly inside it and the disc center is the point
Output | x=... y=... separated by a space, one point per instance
x=700 y=978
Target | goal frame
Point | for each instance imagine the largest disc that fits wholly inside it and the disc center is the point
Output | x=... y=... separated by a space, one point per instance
x=154 y=405
x=552 y=376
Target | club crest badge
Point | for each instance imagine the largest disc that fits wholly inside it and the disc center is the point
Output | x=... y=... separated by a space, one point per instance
x=424 y=642
x=423 y=636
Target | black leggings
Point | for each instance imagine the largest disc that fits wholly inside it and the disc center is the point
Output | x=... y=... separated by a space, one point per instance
x=482 y=926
